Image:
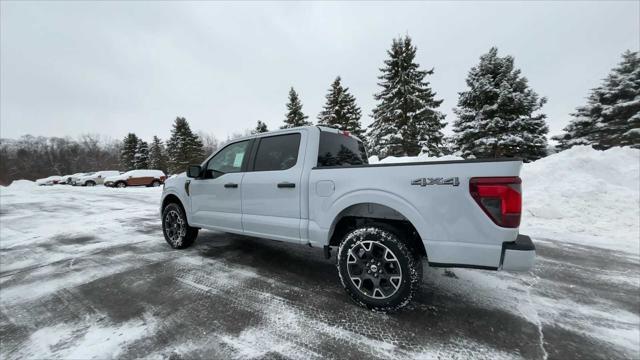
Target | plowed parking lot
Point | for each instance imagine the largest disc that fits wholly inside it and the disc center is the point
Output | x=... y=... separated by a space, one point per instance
x=86 y=273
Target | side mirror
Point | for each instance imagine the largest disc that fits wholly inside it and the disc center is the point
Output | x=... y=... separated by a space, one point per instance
x=194 y=171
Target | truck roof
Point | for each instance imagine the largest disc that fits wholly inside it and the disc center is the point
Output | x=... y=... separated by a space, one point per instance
x=272 y=132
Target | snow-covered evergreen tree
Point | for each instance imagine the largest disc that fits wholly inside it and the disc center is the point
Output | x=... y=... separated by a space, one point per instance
x=405 y=121
x=157 y=155
x=142 y=155
x=128 y=152
x=295 y=117
x=341 y=110
x=496 y=114
x=261 y=127
x=184 y=147
x=611 y=116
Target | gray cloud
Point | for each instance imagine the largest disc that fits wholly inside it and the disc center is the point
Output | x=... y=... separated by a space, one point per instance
x=111 y=67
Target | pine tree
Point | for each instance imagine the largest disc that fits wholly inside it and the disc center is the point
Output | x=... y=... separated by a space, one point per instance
x=295 y=117
x=128 y=152
x=341 y=110
x=496 y=115
x=611 y=116
x=184 y=147
x=261 y=127
x=142 y=155
x=405 y=121
x=157 y=155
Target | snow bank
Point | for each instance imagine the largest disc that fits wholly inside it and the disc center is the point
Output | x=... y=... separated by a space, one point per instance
x=585 y=196
x=22 y=184
x=580 y=195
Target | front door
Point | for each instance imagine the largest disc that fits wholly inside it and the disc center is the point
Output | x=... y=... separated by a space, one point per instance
x=271 y=189
x=216 y=202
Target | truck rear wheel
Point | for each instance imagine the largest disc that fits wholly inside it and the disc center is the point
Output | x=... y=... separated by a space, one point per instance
x=175 y=228
x=377 y=269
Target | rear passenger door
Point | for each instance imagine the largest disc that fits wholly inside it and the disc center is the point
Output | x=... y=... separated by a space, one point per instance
x=142 y=179
x=271 y=188
x=131 y=178
x=136 y=179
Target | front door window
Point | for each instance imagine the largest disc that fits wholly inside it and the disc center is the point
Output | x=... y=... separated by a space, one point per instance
x=228 y=160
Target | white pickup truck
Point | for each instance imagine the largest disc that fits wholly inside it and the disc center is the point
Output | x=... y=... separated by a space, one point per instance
x=313 y=186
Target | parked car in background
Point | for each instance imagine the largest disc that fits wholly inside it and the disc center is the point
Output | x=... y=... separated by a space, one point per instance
x=139 y=177
x=96 y=178
x=64 y=179
x=75 y=178
x=67 y=179
x=51 y=180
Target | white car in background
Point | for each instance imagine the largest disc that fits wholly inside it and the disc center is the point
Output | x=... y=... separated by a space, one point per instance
x=51 y=180
x=140 y=177
x=67 y=179
x=75 y=178
x=95 y=178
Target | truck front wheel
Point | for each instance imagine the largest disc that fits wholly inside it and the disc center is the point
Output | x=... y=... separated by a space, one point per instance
x=177 y=231
x=377 y=269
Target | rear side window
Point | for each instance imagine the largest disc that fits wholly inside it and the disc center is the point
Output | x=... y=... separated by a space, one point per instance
x=340 y=150
x=277 y=152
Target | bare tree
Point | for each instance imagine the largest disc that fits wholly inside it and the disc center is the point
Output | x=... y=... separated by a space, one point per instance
x=33 y=157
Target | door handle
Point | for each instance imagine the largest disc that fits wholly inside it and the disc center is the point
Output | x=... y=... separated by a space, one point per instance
x=230 y=185
x=286 y=185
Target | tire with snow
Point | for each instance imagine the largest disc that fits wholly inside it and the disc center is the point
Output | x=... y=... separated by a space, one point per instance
x=377 y=269
x=121 y=184
x=90 y=183
x=156 y=183
x=175 y=228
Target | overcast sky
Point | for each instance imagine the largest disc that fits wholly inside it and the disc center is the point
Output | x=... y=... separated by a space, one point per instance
x=110 y=68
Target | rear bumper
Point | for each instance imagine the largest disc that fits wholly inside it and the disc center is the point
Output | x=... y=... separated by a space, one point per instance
x=518 y=255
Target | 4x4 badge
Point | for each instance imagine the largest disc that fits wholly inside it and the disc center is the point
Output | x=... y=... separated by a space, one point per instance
x=453 y=181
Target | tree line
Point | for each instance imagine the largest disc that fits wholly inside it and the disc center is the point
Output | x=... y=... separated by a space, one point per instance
x=497 y=115
x=33 y=157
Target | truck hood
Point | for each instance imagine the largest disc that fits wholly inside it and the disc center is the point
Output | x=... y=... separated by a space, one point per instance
x=176 y=179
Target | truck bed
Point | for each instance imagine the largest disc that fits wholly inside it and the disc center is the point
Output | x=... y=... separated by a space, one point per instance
x=454 y=229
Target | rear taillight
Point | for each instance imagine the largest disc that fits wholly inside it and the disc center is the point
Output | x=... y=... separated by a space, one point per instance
x=499 y=197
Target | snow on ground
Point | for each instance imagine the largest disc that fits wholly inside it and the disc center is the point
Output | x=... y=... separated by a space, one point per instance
x=586 y=197
x=85 y=272
x=23 y=184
